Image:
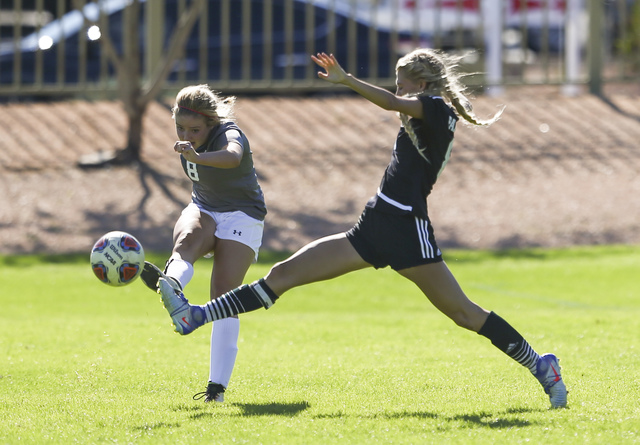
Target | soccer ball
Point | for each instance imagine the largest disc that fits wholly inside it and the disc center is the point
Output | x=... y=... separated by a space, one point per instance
x=117 y=258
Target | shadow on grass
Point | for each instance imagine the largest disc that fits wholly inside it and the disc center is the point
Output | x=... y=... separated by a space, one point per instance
x=490 y=421
x=500 y=420
x=249 y=409
x=385 y=416
x=156 y=426
x=270 y=409
x=482 y=419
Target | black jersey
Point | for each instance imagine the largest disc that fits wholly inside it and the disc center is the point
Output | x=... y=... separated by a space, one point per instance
x=226 y=189
x=412 y=172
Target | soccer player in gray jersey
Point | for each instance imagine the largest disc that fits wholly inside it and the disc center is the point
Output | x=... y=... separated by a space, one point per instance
x=394 y=229
x=225 y=218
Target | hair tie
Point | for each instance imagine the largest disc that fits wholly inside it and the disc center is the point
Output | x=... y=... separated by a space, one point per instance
x=194 y=111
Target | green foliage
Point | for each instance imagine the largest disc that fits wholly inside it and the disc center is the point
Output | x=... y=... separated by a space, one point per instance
x=360 y=359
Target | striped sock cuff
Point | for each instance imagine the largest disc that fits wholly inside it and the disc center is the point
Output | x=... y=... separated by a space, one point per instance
x=243 y=299
x=265 y=293
x=526 y=356
x=224 y=306
x=508 y=340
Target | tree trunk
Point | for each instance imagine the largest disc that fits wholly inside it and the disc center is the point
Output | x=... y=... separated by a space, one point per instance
x=134 y=95
x=134 y=135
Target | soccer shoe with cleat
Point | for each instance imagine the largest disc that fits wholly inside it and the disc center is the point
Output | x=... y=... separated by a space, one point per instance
x=152 y=273
x=214 y=393
x=549 y=376
x=186 y=317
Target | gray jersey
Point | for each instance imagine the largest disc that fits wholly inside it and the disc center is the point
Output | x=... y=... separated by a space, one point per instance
x=227 y=189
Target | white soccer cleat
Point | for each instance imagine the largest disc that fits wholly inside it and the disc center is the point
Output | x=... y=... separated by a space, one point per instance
x=549 y=376
x=186 y=317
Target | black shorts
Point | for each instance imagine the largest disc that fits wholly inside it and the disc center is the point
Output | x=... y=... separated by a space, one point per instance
x=399 y=241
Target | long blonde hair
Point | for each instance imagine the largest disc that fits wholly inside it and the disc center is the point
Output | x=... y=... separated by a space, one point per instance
x=202 y=100
x=439 y=71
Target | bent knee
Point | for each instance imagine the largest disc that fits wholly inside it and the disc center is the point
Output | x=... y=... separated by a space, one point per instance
x=472 y=321
x=460 y=319
x=192 y=245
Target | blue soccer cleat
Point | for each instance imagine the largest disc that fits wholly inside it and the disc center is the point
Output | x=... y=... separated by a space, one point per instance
x=186 y=317
x=548 y=374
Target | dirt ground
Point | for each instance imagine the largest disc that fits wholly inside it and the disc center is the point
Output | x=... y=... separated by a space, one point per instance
x=554 y=171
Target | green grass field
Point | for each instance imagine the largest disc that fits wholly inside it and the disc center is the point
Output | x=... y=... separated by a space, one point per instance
x=357 y=360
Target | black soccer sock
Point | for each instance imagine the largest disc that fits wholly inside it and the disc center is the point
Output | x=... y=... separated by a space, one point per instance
x=243 y=299
x=504 y=337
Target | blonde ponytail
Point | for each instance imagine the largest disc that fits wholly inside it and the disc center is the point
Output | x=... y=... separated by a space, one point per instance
x=439 y=71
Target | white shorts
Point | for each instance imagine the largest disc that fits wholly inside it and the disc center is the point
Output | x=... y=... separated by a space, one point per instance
x=235 y=226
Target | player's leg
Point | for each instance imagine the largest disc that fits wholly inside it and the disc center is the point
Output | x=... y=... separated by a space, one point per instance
x=193 y=237
x=441 y=288
x=323 y=259
x=231 y=262
x=238 y=240
x=320 y=260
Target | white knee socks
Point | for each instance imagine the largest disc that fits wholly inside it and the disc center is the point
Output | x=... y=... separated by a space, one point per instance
x=180 y=270
x=224 y=348
x=224 y=334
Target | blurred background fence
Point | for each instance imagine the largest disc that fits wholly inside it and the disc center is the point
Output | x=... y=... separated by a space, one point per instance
x=53 y=48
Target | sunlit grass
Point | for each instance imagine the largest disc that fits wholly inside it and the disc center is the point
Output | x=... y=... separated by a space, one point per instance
x=360 y=359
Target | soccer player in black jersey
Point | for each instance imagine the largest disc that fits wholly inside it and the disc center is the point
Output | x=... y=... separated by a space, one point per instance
x=394 y=229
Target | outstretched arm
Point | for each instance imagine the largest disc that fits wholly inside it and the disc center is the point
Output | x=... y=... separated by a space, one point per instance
x=385 y=99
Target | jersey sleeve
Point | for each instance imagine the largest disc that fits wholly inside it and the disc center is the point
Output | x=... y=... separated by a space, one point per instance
x=224 y=135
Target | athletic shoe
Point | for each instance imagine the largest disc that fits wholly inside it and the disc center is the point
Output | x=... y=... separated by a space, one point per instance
x=214 y=393
x=186 y=317
x=548 y=374
x=152 y=273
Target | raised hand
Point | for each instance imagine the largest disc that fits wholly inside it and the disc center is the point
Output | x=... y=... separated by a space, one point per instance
x=333 y=71
x=186 y=149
